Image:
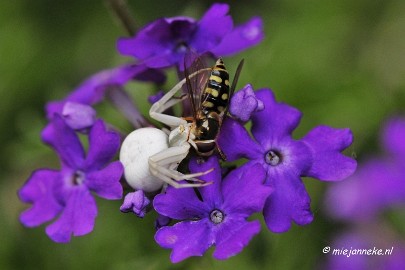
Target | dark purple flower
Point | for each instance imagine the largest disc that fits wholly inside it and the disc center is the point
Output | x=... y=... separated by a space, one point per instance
x=287 y=160
x=65 y=194
x=217 y=217
x=164 y=42
x=135 y=202
x=94 y=88
x=244 y=103
x=379 y=183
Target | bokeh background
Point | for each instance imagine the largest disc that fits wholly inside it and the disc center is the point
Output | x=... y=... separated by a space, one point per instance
x=342 y=63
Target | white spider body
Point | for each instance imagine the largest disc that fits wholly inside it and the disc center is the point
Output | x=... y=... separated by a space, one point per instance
x=136 y=149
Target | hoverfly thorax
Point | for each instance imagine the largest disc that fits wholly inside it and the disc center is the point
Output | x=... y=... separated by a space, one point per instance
x=209 y=93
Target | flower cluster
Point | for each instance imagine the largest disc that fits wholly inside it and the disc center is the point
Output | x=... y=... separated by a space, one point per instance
x=214 y=201
x=378 y=185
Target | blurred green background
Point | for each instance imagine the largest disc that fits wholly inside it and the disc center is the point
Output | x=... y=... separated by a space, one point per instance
x=340 y=62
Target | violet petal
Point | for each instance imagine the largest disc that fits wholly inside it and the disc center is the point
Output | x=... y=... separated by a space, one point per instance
x=394 y=137
x=38 y=191
x=236 y=142
x=103 y=145
x=65 y=142
x=277 y=120
x=212 y=28
x=237 y=240
x=135 y=202
x=241 y=37
x=77 y=217
x=211 y=194
x=106 y=182
x=186 y=238
x=78 y=116
x=325 y=144
x=244 y=190
x=244 y=103
x=289 y=202
x=179 y=204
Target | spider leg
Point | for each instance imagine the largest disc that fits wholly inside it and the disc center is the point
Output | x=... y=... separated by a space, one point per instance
x=172 y=157
x=167 y=101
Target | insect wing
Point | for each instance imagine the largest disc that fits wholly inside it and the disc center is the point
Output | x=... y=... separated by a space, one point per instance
x=197 y=83
x=234 y=83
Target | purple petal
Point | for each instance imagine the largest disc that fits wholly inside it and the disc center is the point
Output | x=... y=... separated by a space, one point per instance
x=78 y=116
x=180 y=204
x=161 y=221
x=376 y=185
x=241 y=37
x=54 y=107
x=276 y=121
x=106 y=182
x=135 y=202
x=236 y=142
x=394 y=137
x=158 y=45
x=65 y=142
x=187 y=238
x=244 y=190
x=38 y=191
x=154 y=98
x=211 y=194
x=244 y=103
x=289 y=202
x=212 y=28
x=77 y=217
x=103 y=145
x=238 y=236
x=326 y=144
x=93 y=89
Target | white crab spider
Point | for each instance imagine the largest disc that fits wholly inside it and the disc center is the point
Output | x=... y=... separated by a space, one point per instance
x=151 y=157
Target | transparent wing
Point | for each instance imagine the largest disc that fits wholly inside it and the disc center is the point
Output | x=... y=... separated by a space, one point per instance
x=234 y=83
x=196 y=84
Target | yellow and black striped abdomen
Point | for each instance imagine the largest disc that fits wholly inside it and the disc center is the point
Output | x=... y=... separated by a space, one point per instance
x=216 y=94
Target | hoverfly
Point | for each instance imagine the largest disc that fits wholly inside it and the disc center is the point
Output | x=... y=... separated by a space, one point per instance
x=209 y=94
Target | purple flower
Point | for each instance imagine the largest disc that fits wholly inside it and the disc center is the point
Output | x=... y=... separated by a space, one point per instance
x=287 y=160
x=244 y=103
x=379 y=183
x=216 y=217
x=135 y=202
x=65 y=194
x=394 y=138
x=94 y=88
x=164 y=42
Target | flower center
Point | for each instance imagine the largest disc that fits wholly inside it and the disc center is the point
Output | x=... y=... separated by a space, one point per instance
x=273 y=158
x=78 y=178
x=181 y=46
x=216 y=216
